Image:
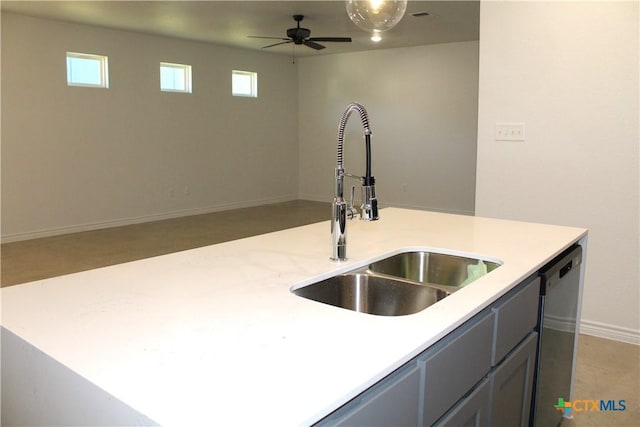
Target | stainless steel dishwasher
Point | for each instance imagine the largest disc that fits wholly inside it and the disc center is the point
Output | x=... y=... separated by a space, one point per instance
x=559 y=291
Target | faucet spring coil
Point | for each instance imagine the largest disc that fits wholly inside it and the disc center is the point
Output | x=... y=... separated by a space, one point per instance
x=364 y=117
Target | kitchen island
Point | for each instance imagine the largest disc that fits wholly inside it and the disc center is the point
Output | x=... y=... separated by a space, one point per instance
x=213 y=336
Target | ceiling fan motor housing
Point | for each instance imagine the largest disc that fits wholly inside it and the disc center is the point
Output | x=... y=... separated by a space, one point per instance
x=298 y=34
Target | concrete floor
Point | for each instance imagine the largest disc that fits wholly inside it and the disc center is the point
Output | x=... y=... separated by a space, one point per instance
x=607 y=370
x=36 y=259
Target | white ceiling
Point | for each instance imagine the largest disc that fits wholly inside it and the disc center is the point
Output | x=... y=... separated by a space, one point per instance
x=230 y=22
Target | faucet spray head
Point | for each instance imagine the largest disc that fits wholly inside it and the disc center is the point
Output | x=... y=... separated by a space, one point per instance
x=369 y=208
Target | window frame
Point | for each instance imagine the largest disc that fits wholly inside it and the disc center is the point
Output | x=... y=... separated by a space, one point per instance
x=253 y=85
x=103 y=68
x=188 y=80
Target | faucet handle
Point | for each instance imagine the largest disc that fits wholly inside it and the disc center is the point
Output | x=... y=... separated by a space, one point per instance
x=351 y=211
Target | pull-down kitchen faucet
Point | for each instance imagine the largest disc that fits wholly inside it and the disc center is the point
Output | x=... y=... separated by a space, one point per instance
x=341 y=210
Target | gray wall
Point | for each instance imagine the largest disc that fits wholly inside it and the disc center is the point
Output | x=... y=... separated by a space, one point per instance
x=80 y=158
x=422 y=105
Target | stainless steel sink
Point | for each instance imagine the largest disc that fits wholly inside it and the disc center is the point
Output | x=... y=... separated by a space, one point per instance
x=369 y=293
x=401 y=284
x=434 y=268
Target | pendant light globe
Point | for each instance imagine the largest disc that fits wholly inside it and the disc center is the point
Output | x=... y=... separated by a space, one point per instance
x=378 y=15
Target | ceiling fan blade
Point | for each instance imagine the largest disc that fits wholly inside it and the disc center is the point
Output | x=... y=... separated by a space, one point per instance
x=265 y=37
x=313 y=45
x=330 y=39
x=276 y=44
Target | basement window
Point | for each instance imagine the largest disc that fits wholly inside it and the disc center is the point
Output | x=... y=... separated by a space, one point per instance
x=244 y=83
x=175 y=77
x=87 y=70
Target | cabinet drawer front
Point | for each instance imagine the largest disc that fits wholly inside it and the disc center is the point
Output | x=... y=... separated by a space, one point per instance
x=512 y=386
x=391 y=402
x=450 y=372
x=516 y=317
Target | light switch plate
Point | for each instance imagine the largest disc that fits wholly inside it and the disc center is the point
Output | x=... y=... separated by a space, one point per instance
x=509 y=132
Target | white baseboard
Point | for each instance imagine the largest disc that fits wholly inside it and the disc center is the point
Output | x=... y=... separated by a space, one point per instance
x=612 y=332
x=141 y=219
x=563 y=324
x=430 y=208
x=316 y=198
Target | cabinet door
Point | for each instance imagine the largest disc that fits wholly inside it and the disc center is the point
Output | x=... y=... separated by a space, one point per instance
x=451 y=371
x=392 y=402
x=512 y=385
x=473 y=411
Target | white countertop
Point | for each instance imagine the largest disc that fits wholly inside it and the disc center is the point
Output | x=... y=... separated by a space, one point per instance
x=214 y=336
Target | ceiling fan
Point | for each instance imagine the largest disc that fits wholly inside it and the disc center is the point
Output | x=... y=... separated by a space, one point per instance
x=301 y=36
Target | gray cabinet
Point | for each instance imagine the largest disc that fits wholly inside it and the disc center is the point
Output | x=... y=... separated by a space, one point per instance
x=391 y=402
x=516 y=316
x=449 y=372
x=479 y=375
x=473 y=411
x=512 y=385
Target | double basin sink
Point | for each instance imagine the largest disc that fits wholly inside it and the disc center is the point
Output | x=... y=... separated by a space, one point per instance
x=401 y=284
